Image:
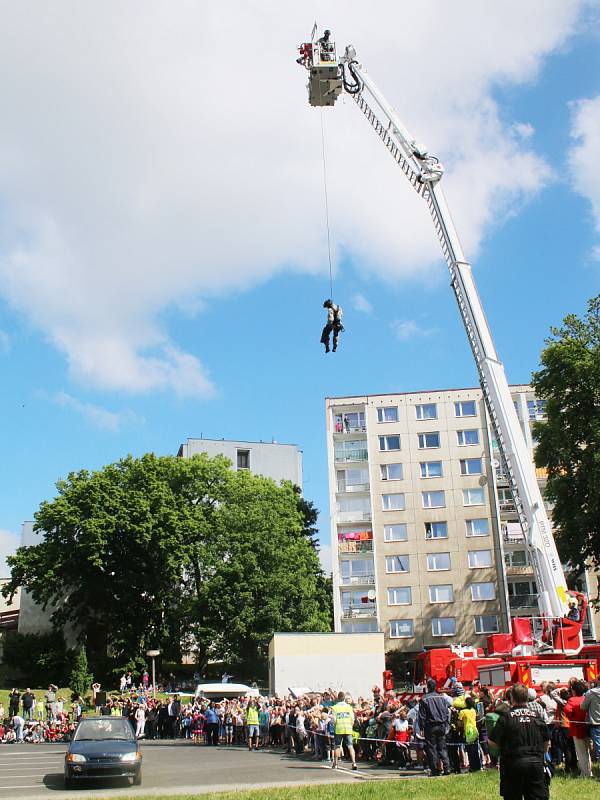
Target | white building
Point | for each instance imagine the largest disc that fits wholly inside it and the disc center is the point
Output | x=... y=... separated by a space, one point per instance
x=269 y=459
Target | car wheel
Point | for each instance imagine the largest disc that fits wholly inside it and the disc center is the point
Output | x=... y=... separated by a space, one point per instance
x=137 y=780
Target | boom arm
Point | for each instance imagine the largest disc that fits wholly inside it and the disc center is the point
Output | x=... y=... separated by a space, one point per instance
x=424 y=173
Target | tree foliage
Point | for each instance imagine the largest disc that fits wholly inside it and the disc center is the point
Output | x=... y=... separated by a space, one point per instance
x=569 y=438
x=36 y=659
x=81 y=679
x=174 y=553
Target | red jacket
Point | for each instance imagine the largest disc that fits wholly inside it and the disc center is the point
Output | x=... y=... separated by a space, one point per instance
x=578 y=726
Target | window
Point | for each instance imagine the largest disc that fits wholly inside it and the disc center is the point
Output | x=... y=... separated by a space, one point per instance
x=351 y=451
x=243 y=459
x=436 y=530
x=395 y=533
x=443 y=626
x=480 y=558
x=391 y=472
x=536 y=409
x=477 y=527
x=467 y=437
x=465 y=408
x=393 y=502
x=389 y=443
x=399 y=596
x=431 y=469
x=397 y=564
x=442 y=593
x=487 y=623
x=438 y=561
x=357 y=571
x=483 y=591
x=350 y=422
x=429 y=440
x=389 y=414
x=473 y=497
x=401 y=628
x=426 y=411
x=516 y=558
x=471 y=466
x=433 y=499
x=353 y=480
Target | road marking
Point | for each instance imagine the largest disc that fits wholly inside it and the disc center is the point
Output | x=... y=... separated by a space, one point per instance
x=23 y=786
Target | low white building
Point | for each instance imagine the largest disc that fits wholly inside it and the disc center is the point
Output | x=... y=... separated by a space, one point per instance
x=269 y=459
x=318 y=662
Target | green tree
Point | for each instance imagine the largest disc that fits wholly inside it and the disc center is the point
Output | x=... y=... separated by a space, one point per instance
x=81 y=679
x=174 y=553
x=36 y=659
x=256 y=573
x=569 y=438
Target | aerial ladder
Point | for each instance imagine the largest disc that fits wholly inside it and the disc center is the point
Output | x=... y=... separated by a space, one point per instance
x=328 y=77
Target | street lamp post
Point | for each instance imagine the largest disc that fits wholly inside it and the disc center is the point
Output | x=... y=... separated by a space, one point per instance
x=153 y=654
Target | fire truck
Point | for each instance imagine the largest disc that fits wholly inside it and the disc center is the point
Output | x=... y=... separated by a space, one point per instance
x=548 y=647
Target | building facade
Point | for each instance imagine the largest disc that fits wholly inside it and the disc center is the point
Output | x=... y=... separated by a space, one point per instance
x=269 y=459
x=425 y=540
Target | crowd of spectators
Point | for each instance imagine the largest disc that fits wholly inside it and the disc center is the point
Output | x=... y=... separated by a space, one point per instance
x=44 y=718
x=444 y=731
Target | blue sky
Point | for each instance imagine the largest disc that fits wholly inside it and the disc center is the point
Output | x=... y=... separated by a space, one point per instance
x=130 y=364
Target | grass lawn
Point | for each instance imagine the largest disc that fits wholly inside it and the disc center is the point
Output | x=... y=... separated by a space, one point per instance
x=39 y=693
x=482 y=786
x=66 y=694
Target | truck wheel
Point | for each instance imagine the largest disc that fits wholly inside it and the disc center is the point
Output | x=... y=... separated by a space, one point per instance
x=137 y=780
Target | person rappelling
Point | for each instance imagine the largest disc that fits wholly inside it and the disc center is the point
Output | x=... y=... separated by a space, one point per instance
x=333 y=324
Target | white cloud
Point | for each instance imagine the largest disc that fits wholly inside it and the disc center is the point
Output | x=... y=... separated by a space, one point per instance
x=405 y=329
x=360 y=303
x=8 y=544
x=583 y=159
x=96 y=415
x=149 y=161
x=4 y=342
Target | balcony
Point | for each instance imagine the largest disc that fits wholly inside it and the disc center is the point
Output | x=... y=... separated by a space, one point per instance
x=344 y=430
x=344 y=487
x=512 y=533
x=356 y=454
x=353 y=516
x=356 y=547
x=522 y=603
x=358 y=580
x=355 y=612
x=501 y=476
x=507 y=506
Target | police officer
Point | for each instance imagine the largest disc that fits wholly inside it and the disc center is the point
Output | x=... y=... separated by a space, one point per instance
x=522 y=739
x=343 y=715
x=434 y=719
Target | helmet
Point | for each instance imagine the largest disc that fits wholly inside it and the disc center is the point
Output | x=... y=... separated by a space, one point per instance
x=327 y=303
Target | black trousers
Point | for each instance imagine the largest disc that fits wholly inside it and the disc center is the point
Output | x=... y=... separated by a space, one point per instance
x=523 y=779
x=436 y=747
x=212 y=733
x=336 y=328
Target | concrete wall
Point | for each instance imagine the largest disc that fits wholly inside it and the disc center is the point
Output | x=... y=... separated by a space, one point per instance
x=32 y=618
x=352 y=662
x=270 y=459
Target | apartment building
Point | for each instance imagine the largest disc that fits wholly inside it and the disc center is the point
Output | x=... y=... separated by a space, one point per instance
x=426 y=545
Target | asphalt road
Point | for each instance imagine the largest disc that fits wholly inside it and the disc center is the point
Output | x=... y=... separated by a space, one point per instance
x=36 y=771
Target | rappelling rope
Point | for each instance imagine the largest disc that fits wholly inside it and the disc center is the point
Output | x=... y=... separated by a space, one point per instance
x=326 y=208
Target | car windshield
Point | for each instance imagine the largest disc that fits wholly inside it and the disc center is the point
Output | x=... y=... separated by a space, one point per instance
x=103 y=728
